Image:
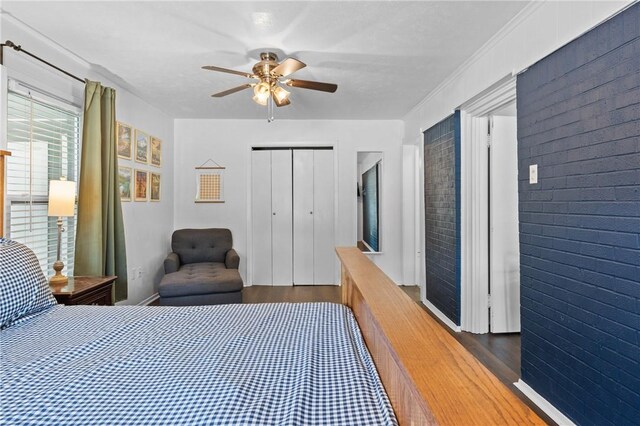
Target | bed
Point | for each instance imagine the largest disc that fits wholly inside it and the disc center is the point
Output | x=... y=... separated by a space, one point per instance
x=254 y=364
x=371 y=361
x=261 y=364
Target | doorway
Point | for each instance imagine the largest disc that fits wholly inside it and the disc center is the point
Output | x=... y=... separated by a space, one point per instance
x=490 y=285
x=504 y=250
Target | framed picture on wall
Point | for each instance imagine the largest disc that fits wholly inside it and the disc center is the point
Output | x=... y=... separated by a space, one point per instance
x=124 y=134
x=156 y=152
x=124 y=183
x=142 y=185
x=142 y=147
x=154 y=190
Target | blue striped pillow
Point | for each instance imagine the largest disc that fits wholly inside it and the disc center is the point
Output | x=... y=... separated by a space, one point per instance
x=24 y=290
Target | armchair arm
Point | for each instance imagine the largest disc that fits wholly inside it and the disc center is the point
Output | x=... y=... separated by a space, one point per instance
x=171 y=263
x=232 y=260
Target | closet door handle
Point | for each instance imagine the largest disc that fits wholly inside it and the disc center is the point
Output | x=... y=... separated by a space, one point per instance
x=274 y=213
x=310 y=212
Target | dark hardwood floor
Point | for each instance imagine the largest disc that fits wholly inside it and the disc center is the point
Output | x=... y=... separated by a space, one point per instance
x=296 y=294
x=292 y=294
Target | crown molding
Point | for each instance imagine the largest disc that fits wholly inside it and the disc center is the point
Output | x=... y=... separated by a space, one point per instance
x=46 y=40
x=87 y=67
x=505 y=31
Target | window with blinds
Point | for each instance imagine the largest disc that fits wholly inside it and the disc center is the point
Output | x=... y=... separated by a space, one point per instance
x=43 y=138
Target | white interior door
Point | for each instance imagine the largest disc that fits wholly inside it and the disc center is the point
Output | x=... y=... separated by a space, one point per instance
x=324 y=257
x=282 y=217
x=504 y=249
x=303 y=244
x=261 y=252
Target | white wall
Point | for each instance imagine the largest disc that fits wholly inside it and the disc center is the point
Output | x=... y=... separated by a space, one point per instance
x=147 y=225
x=538 y=30
x=229 y=142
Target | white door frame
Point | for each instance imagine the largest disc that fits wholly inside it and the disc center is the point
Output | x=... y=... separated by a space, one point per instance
x=316 y=144
x=419 y=241
x=409 y=184
x=474 y=287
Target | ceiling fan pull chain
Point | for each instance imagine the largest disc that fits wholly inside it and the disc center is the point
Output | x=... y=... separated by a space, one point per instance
x=270 y=116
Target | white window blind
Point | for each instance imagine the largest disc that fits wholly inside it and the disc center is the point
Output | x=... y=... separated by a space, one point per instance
x=43 y=138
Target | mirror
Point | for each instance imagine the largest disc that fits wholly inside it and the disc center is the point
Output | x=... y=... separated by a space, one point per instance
x=369 y=187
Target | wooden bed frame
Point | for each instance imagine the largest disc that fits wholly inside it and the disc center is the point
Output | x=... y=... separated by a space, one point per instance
x=430 y=377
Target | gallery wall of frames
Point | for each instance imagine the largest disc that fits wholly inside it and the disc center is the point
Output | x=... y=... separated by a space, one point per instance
x=137 y=180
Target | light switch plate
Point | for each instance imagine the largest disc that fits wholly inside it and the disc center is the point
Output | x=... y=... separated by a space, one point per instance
x=533 y=173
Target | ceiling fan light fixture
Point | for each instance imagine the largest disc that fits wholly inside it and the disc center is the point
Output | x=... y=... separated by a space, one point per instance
x=261 y=92
x=260 y=100
x=280 y=94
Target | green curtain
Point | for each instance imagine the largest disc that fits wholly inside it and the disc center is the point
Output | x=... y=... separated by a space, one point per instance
x=100 y=246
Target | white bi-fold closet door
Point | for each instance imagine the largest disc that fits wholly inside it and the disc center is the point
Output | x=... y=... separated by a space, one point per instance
x=292 y=202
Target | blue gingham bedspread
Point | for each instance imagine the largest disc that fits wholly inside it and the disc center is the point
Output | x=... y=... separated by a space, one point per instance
x=262 y=364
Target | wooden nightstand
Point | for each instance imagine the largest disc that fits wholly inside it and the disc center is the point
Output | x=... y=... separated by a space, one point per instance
x=85 y=291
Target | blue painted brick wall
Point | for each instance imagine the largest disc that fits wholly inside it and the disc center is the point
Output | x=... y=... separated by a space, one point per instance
x=442 y=218
x=579 y=120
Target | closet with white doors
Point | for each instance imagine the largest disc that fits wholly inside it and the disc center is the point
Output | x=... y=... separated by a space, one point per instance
x=292 y=216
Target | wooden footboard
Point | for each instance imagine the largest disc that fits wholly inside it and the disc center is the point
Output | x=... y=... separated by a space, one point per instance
x=430 y=378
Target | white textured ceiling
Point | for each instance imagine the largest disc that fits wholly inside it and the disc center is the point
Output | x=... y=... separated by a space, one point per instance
x=384 y=56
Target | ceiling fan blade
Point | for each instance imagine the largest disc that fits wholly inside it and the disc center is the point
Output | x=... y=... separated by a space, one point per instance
x=212 y=68
x=230 y=91
x=313 y=85
x=288 y=66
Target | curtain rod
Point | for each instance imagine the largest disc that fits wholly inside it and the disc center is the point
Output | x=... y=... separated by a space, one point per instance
x=19 y=48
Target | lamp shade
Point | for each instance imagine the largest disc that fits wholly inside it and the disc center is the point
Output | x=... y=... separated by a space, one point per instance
x=62 y=198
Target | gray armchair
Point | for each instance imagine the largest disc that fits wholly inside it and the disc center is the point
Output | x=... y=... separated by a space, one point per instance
x=201 y=270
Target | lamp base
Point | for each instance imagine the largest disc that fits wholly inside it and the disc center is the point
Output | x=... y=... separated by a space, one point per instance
x=58 y=278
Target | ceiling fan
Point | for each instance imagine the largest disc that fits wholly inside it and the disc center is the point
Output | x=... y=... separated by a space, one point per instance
x=271 y=76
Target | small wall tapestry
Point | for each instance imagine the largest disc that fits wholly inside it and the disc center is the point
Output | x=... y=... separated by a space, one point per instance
x=210 y=182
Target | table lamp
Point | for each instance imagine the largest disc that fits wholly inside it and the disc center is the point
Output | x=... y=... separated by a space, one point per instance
x=62 y=201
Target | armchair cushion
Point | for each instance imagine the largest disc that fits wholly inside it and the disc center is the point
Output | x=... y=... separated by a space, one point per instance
x=201 y=245
x=200 y=278
x=171 y=263
x=232 y=260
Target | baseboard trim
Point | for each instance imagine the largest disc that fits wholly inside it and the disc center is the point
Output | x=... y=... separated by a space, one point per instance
x=150 y=299
x=445 y=319
x=555 y=414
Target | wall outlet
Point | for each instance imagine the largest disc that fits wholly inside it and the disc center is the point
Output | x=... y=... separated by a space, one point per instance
x=136 y=272
x=533 y=173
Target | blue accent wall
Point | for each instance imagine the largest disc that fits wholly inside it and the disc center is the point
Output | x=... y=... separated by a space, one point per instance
x=579 y=121
x=442 y=215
